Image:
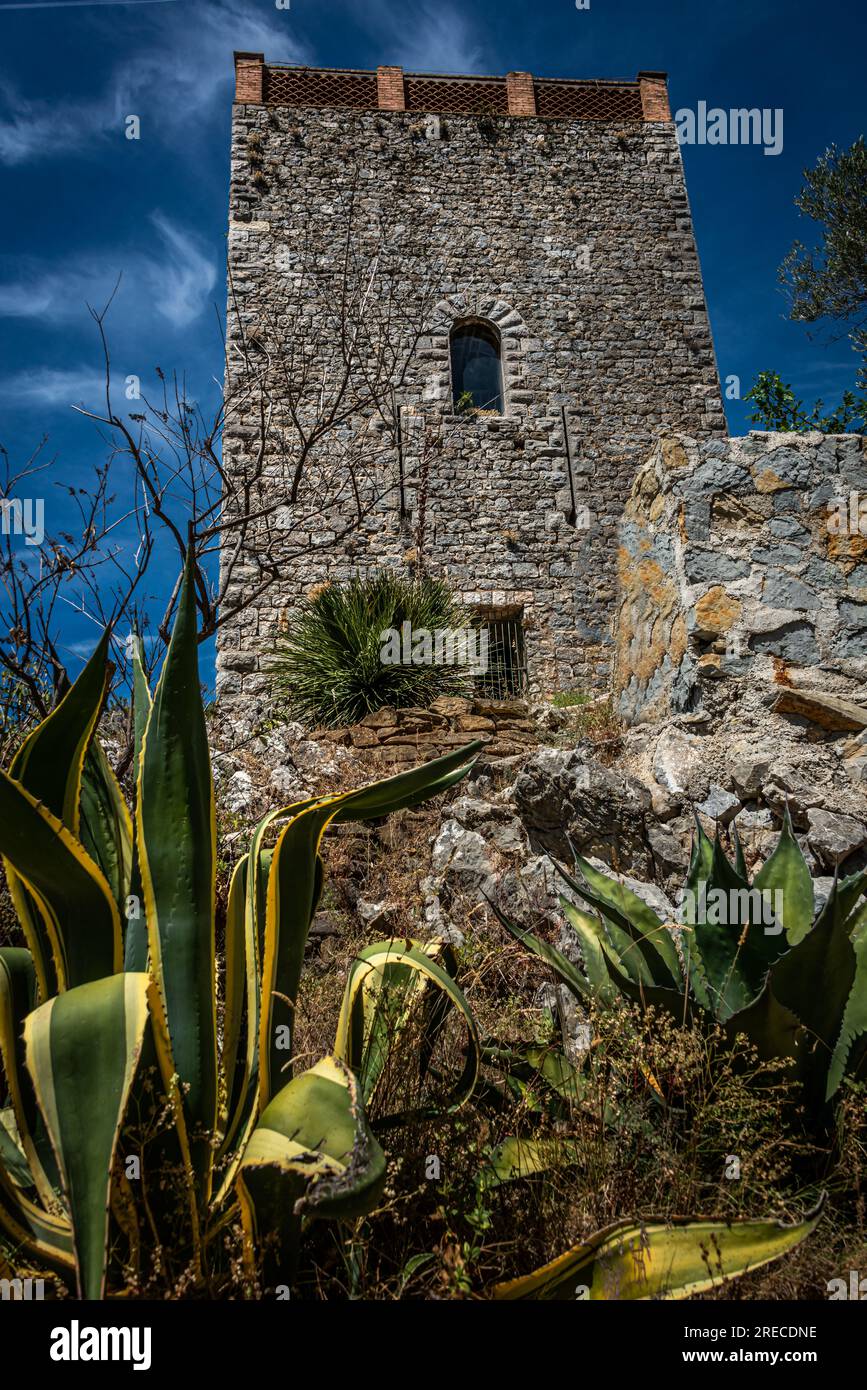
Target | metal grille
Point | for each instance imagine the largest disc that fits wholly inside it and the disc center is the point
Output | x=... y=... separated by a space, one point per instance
x=308 y=87
x=589 y=101
x=506 y=676
x=568 y=101
x=457 y=98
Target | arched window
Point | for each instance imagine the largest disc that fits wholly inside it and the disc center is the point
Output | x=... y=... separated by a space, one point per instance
x=477 y=376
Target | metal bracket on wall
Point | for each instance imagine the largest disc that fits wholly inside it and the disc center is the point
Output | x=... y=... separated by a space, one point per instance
x=398 y=417
x=572 y=516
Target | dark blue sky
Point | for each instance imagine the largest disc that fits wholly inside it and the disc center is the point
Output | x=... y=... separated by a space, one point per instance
x=81 y=203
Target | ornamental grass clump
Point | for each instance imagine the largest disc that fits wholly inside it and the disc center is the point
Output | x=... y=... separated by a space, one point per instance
x=371 y=643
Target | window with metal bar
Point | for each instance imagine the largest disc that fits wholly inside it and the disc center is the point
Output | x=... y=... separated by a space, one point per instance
x=506 y=675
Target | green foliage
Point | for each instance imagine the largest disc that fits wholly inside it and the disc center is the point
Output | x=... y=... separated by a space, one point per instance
x=102 y=1065
x=465 y=404
x=567 y=699
x=330 y=667
x=750 y=958
x=777 y=408
x=593 y=719
x=828 y=282
x=653 y=1259
x=831 y=281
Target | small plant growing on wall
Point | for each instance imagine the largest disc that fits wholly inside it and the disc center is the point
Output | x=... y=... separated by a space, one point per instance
x=256 y=158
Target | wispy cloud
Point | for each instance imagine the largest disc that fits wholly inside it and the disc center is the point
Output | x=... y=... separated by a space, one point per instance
x=183 y=281
x=176 y=280
x=428 y=37
x=172 y=82
x=76 y=4
x=836 y=375
x=54 y=387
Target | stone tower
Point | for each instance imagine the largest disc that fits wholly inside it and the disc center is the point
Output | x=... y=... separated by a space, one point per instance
x=524 y=295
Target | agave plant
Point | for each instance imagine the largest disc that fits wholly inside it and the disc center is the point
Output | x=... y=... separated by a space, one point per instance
x=748 y=955
x=120 y=981
x=109 y=1023
x=659 y=1259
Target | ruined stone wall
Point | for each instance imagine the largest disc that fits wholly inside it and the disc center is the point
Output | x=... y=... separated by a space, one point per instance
x=407 y=737
x=745 y=558
x=575 y=239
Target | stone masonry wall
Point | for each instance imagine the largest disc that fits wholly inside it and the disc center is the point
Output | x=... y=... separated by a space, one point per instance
x=575 y=239
x=407 y=737
x=745 y=558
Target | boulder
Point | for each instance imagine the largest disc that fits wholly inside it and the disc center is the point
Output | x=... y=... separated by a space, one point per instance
x=288 y=784
x=364 y=738
x=380 y=719
x=561 y=796
x=238 y=794
x=324 y=924
x=856 y=767
x=821 y=892
x=530 y=893
x=719 y=805
x=497 y=824
x=715 y=613
x=678 y=760
x=450 y=705
x=755 y=818
x=461 y=855
x=378 y=917
x=831 y=712
x=788 y=786
x=750 y=766
x=474 y=724
x=669 y=853
x=833 y=837
x=664 y=803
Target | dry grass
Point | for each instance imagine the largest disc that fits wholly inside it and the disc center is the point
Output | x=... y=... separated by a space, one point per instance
x=591 y=722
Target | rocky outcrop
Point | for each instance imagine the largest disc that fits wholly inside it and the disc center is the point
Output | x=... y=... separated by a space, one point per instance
x=565 y=799
x=740 y=764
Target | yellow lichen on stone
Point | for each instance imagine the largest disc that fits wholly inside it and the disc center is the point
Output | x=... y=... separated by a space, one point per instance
x=677 y=640
x=717 y=612
x=843 y=546
x=766 y=480
x=710 y=665
x=674 y=455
